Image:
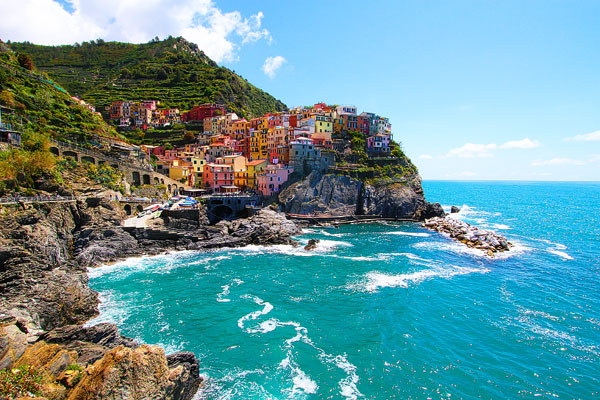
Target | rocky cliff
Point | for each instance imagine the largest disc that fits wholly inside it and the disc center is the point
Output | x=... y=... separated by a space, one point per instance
x=318 y=193
x=45 y=250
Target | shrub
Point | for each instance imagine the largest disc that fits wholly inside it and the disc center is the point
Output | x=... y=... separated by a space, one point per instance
x=20 y=382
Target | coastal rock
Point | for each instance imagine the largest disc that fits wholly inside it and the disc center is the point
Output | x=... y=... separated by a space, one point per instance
x=312 y=244
x=487 y=241
x=185 y=375
x=41 y=285
x=135 y=374
x=265 y=227
x=454 y=210
x=340 y=195
x=91 y=343
x=13 y=342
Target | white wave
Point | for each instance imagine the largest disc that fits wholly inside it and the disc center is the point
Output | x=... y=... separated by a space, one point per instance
x=303 y=383
x=415 y=234
x=324 y=246
x=111 y=310
x=459 y=248
x=500 y=226
x=332 y=234
x=267 y=308
x=561 y=254
x=375 y=280
x=221 y=297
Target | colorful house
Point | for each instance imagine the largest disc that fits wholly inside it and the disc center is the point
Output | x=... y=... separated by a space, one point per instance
x=198 y=113
x=271 y=180
x=252 y=169
x=218 y=175
x=380 y=143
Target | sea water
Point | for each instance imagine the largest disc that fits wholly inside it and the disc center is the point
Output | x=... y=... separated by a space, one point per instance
x=386 y=310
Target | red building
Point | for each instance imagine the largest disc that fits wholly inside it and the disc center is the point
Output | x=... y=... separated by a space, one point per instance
x=198 y=113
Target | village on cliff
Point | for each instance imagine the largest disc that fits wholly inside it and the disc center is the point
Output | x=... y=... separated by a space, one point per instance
x=233 y=154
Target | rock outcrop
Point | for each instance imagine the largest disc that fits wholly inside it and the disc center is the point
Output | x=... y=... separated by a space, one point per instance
x=485 y=240
x=45 y=250
x=339 y=195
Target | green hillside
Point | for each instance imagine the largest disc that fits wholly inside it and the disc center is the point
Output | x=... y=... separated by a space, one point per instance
x=40 y=110
x=41 y=105
x=173 y=71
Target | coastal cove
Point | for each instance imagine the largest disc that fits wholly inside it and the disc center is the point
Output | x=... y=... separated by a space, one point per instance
x=385 y=310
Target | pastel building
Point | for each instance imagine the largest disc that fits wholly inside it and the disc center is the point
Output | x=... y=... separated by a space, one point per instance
x=379 y=143
x=218 y=177
x=253 y=168
x=271 y=180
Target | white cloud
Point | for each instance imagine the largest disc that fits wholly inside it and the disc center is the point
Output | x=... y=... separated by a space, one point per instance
x=521 y=144
x=588 y=137
x=425 y=157
x=473 y=150
x=219 y=34
x=476 y=150
x=557 y=161
x=272 y=64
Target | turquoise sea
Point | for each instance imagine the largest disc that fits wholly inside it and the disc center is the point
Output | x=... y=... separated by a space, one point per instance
x=384 y=311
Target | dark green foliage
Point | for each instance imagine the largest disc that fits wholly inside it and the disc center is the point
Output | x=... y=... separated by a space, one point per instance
x=173 y=71
x=25 y=62
x=20 y=382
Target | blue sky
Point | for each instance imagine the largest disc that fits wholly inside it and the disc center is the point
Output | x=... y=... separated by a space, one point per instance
x=474 y=89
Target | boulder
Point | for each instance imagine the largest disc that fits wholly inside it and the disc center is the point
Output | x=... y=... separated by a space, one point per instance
x=312 y=244
x=134 y=374
x=454 y=210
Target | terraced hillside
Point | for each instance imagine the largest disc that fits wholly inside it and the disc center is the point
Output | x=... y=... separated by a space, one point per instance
x=173 y=71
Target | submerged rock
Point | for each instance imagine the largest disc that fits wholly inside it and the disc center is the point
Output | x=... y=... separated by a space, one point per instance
x=454 y=210
x=312 y=244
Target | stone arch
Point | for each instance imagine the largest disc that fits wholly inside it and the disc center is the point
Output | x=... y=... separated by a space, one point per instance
x=55 y=151
x=156 y=180
x=72 y=154
x=88 y=159
x=169 y=188
x=146 y=179
x=135 y=178
x=162 y=181
x=139 y=208
x=127 y=209
x=222 y=212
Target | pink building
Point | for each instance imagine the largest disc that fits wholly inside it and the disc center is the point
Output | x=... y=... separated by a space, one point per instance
x=271 y=180
x=217 y=176
x=379 y=143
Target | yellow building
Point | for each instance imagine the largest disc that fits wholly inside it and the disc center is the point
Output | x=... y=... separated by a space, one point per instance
x=253 y=168
x=323 y=124
x=239 y=168
x=263 y=144
x=198 y=162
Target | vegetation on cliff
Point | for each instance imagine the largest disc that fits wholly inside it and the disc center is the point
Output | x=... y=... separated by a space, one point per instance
x=173 y=71
x=353 y=160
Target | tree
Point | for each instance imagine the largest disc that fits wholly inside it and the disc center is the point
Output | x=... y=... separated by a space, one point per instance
x=26 y=62
x=7 y=98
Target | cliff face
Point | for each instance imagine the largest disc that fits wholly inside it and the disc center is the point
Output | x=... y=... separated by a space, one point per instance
x=44 y=251
x=342 y=195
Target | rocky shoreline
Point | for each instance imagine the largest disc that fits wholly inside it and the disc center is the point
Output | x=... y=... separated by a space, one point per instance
x=45 y=250
x=487 y=241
